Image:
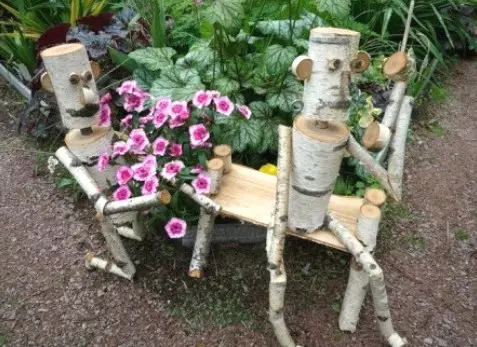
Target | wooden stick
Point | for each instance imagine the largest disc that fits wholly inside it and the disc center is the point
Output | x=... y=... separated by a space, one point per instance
x=215 y=168
x=127 y=225
x=376 y=279
x=224 y=152
x=139 y=203
x=93 y=262
x=280 y=214
x=368 y=225
x=408 y=26
x=203 y=201
x=371 y=165
x=317 y=153
x=326 y=93
x=398 y=146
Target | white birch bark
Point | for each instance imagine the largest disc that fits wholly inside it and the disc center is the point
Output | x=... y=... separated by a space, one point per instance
x=60 y=62
x=374 y=168
x=215 y=168
x=367 y=231
x=398 y=146
x=276 y=239
x=203 y=201
x=376 y=280
x=326 y=94
x=316 y=158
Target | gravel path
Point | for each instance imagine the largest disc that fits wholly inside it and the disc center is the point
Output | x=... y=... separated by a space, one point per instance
x=47 y=298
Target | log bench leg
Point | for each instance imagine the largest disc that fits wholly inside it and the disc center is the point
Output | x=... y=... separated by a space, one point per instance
x=368 y=225
x=203 y=240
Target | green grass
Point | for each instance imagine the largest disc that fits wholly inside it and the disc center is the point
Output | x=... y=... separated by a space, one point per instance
x=461 y=235
x=416 y=241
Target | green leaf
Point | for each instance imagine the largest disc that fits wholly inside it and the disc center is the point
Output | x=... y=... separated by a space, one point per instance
x=269 y=135
x=260 y=109
x=283 y=96
x=154 y=58
x=119 y=58
x=336 y=8
x=177 y=83
x=65 y=182
x=240 y=133
x=227 y=13
x=226 y=86
x=145 y=77
x=282 y=30
x=278 y=59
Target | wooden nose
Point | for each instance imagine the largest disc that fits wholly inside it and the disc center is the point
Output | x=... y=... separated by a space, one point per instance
x=87 y=96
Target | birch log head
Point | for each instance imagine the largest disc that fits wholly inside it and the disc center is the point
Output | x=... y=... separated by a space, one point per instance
x=316 y=157
x=326 y=94
x=72 y=79
x=376 y=136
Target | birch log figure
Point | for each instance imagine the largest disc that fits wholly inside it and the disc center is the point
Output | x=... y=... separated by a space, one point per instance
x=316 y=158
x=326 y=93
x=367 y=231
x=276 y=240
x=398 y=146
x=224 y=152
x=66 y=65
x=376 y=280
x=205 y=227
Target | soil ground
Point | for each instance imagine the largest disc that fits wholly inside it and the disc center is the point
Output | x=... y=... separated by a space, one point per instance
x=427 y=248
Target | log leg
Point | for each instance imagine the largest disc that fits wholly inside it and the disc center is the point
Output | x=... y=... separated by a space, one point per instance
x=376 y=280
x=128 y=225
x=368 y=225
x=202 y=244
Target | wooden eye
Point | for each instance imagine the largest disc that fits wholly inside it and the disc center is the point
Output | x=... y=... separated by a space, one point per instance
x=74 y=78
x=86 y=76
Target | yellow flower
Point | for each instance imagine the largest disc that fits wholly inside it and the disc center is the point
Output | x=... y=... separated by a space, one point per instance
x=269 y=169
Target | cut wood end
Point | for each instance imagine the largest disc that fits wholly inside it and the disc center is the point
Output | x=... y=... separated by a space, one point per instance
x=60 y=50
x=370 y=211
x=361 y=63
x=222 y=150
x=395 y=64
x=74 y=138
x=334 y=133
x=371 y=135
x=215 y=164
x=374 y=196
x=99 y=217
x=320 y=31
x=88 y=259
x=165 y=197
x=302 y=67
x=196 y=273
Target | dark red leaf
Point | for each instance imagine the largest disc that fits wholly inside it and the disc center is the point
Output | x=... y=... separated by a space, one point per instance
x=96 y=23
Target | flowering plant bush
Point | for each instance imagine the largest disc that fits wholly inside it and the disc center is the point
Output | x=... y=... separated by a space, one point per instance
x=168 y=143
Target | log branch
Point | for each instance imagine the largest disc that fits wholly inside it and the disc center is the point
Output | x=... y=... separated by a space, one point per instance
x=203 y=201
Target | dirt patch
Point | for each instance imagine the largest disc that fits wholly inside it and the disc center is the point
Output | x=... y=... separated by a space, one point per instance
x=427 y=248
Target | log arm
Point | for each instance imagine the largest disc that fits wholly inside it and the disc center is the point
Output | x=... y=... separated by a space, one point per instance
x=355 y=149
x=376 y=279
x=101 y=203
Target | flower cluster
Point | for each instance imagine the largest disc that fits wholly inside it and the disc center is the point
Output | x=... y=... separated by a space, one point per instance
x=165 y=139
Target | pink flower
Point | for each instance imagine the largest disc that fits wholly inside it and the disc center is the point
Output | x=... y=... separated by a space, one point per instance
x=127 y=87
x=202 y=184
x=159 y=118
x=183 y=116
x=122 y=193
x=171 y=169
x=127 y=121
x=138 y=140
x=175 y=150
x=106 y=98
x=120 y=148
x=163 y=104
x=224 y=105
x=176 y=122
x=150 y=186
x=213 y=94
x=244 y=111
x=197 y=169
x=176 y=228
x=198 y=134
x=150 y=160
x=178 y=107
x=103 y=161
x=201 y=99
x=124 y=175
x=143 y=171
x=159 y=146
x=145 y=120
x=104 y=115
x=135 y=101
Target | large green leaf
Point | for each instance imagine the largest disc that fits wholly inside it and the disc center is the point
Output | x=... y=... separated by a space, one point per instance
x=177 y=83
x=278 y=59
x=228 y=13
x=337 y=8
x=284 y=95
x=226 y=85
x=199 y=55
x=240 y=133
x=145 y=78
x=269 y=140
x=260 y=109
x=119 y=58
x=154 y=58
